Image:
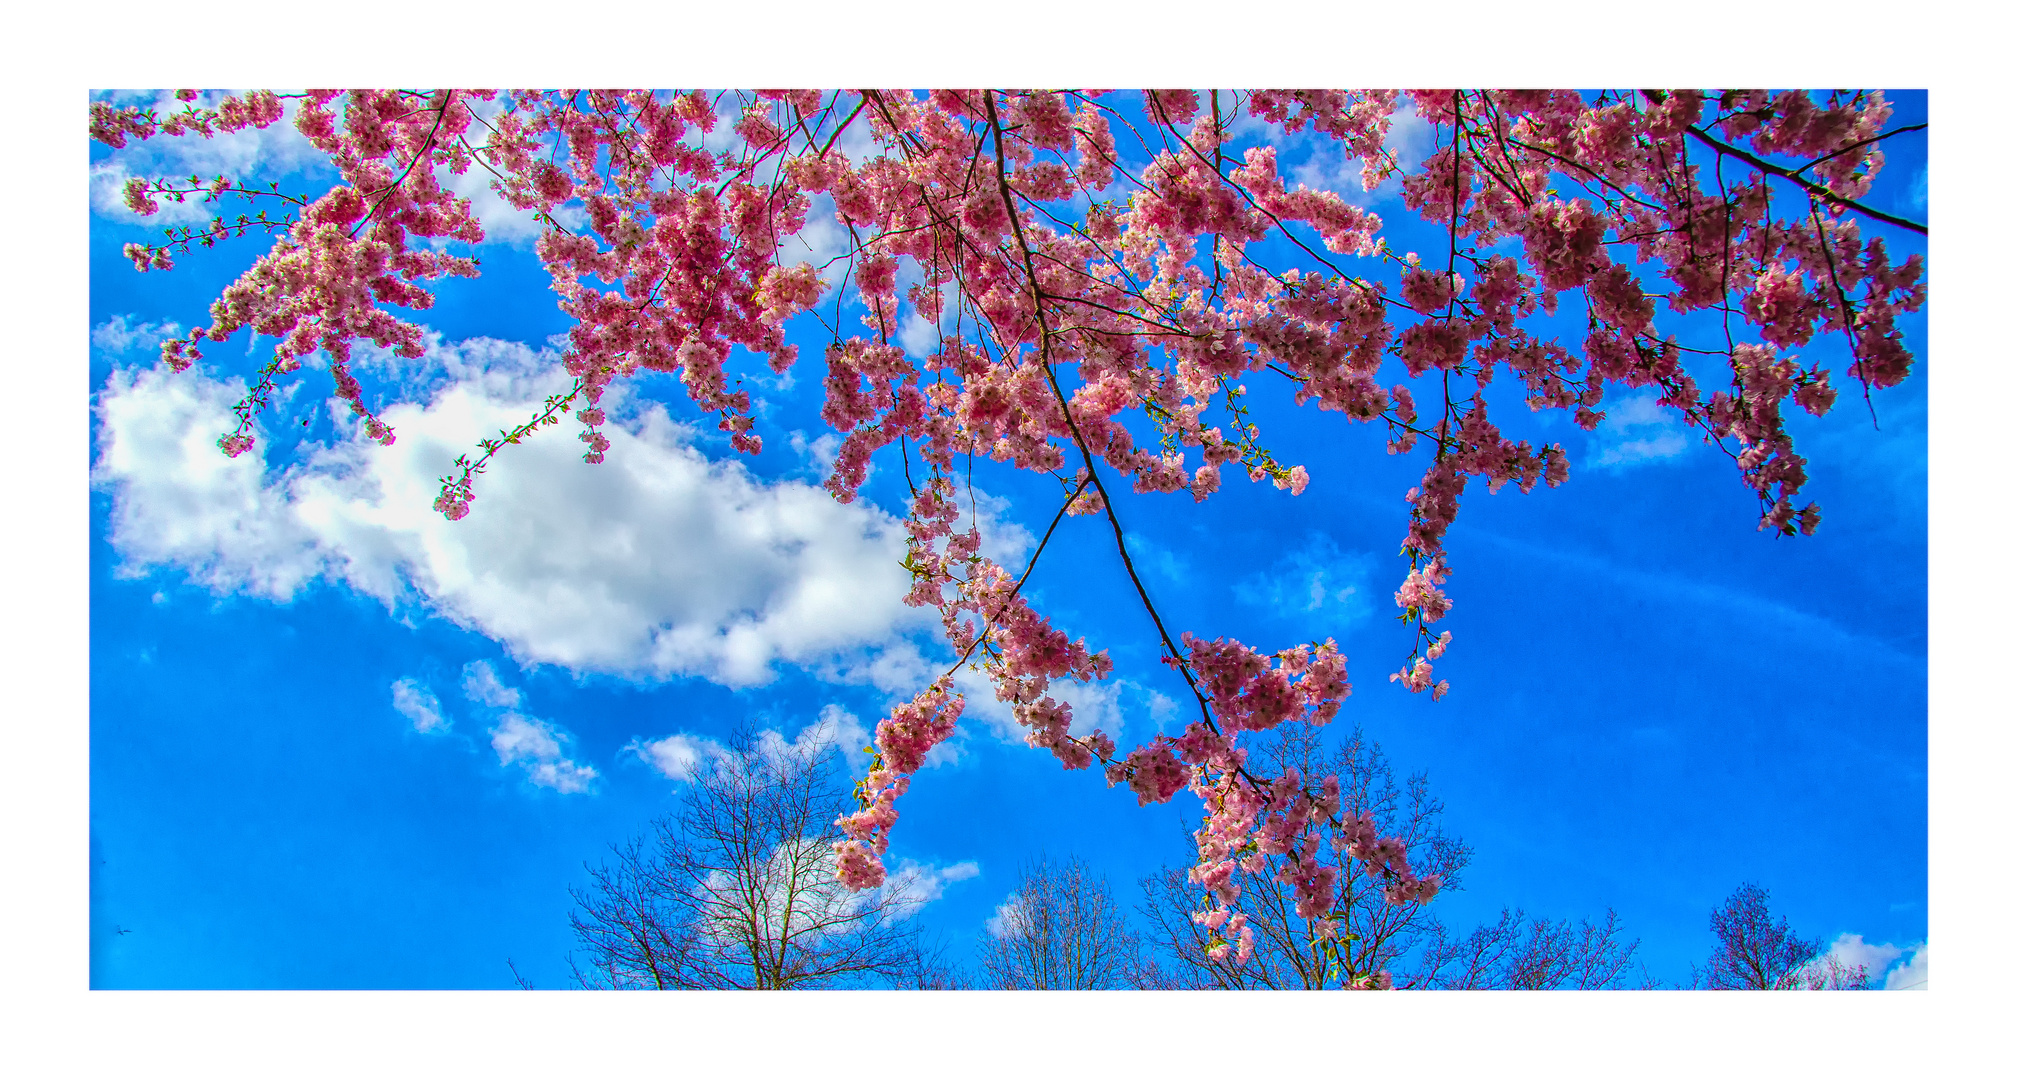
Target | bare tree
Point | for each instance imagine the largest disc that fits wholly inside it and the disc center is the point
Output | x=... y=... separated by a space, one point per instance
x=1059 y=930
x=1288 y=951
x=736 y=889
x=1517 y=953
x=1755 y=953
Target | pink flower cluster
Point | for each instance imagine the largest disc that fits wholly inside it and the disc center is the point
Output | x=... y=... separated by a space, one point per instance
x=1419 y=595
x=902 y=740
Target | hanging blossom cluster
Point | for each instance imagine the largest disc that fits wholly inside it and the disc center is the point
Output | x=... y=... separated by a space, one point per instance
x=1110 y=276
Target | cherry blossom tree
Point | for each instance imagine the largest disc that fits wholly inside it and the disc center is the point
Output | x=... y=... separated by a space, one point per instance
x=1376 y=945
x=1111 y=276
x=1356 y=943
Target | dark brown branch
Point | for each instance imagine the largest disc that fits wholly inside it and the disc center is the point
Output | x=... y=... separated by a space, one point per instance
x=1813 y=189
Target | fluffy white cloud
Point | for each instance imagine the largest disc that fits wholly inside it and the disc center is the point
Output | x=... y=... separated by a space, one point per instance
x=1851 y=951
x=1162 y=709
x=654 y=564
x=1635 y=431
x=178 y=501
x=1882 y=963
x=1910 y=975
x=1001 y=539
x=536 y=747
x=418 y=704
x=835 y=727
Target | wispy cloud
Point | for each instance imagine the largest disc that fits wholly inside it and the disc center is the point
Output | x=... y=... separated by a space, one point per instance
x=417 y=703
x=1314 y=578
x=536 y=747
x=917 y=883
x=1637 y=431
x=1005 y=915
x=120 y=335
x=481 y=685
x=683 y=755
x=1731 y=607
x=678 y=756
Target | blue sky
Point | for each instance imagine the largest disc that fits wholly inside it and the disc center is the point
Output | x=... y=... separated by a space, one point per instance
x=1651 y=702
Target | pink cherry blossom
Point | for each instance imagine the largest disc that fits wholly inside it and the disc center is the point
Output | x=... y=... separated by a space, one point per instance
x=1086 y=257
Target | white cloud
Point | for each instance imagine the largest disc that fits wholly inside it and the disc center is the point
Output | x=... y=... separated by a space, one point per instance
x=1636 y=430
x=682 y=755
x=835 y=726
x=179 y=501
x=1315 y=577
x=655 y=564
x=1001 y=538
x=1715 y=602
x=278 y=152
x=678 y=756
x=1852 y=951
x=1910 y=975
x=480 y=684
x=1409 y=138
x=1880 y=962
x=418 y=704
x=501 y=221
x=821 y=242
x=918 y=335
x=898 y=667
x=536 y=747
x=1005 y=913
x=119 y=335
x=819 y=454
x=818 y=897
x=921 y=883
x=1163 y=561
